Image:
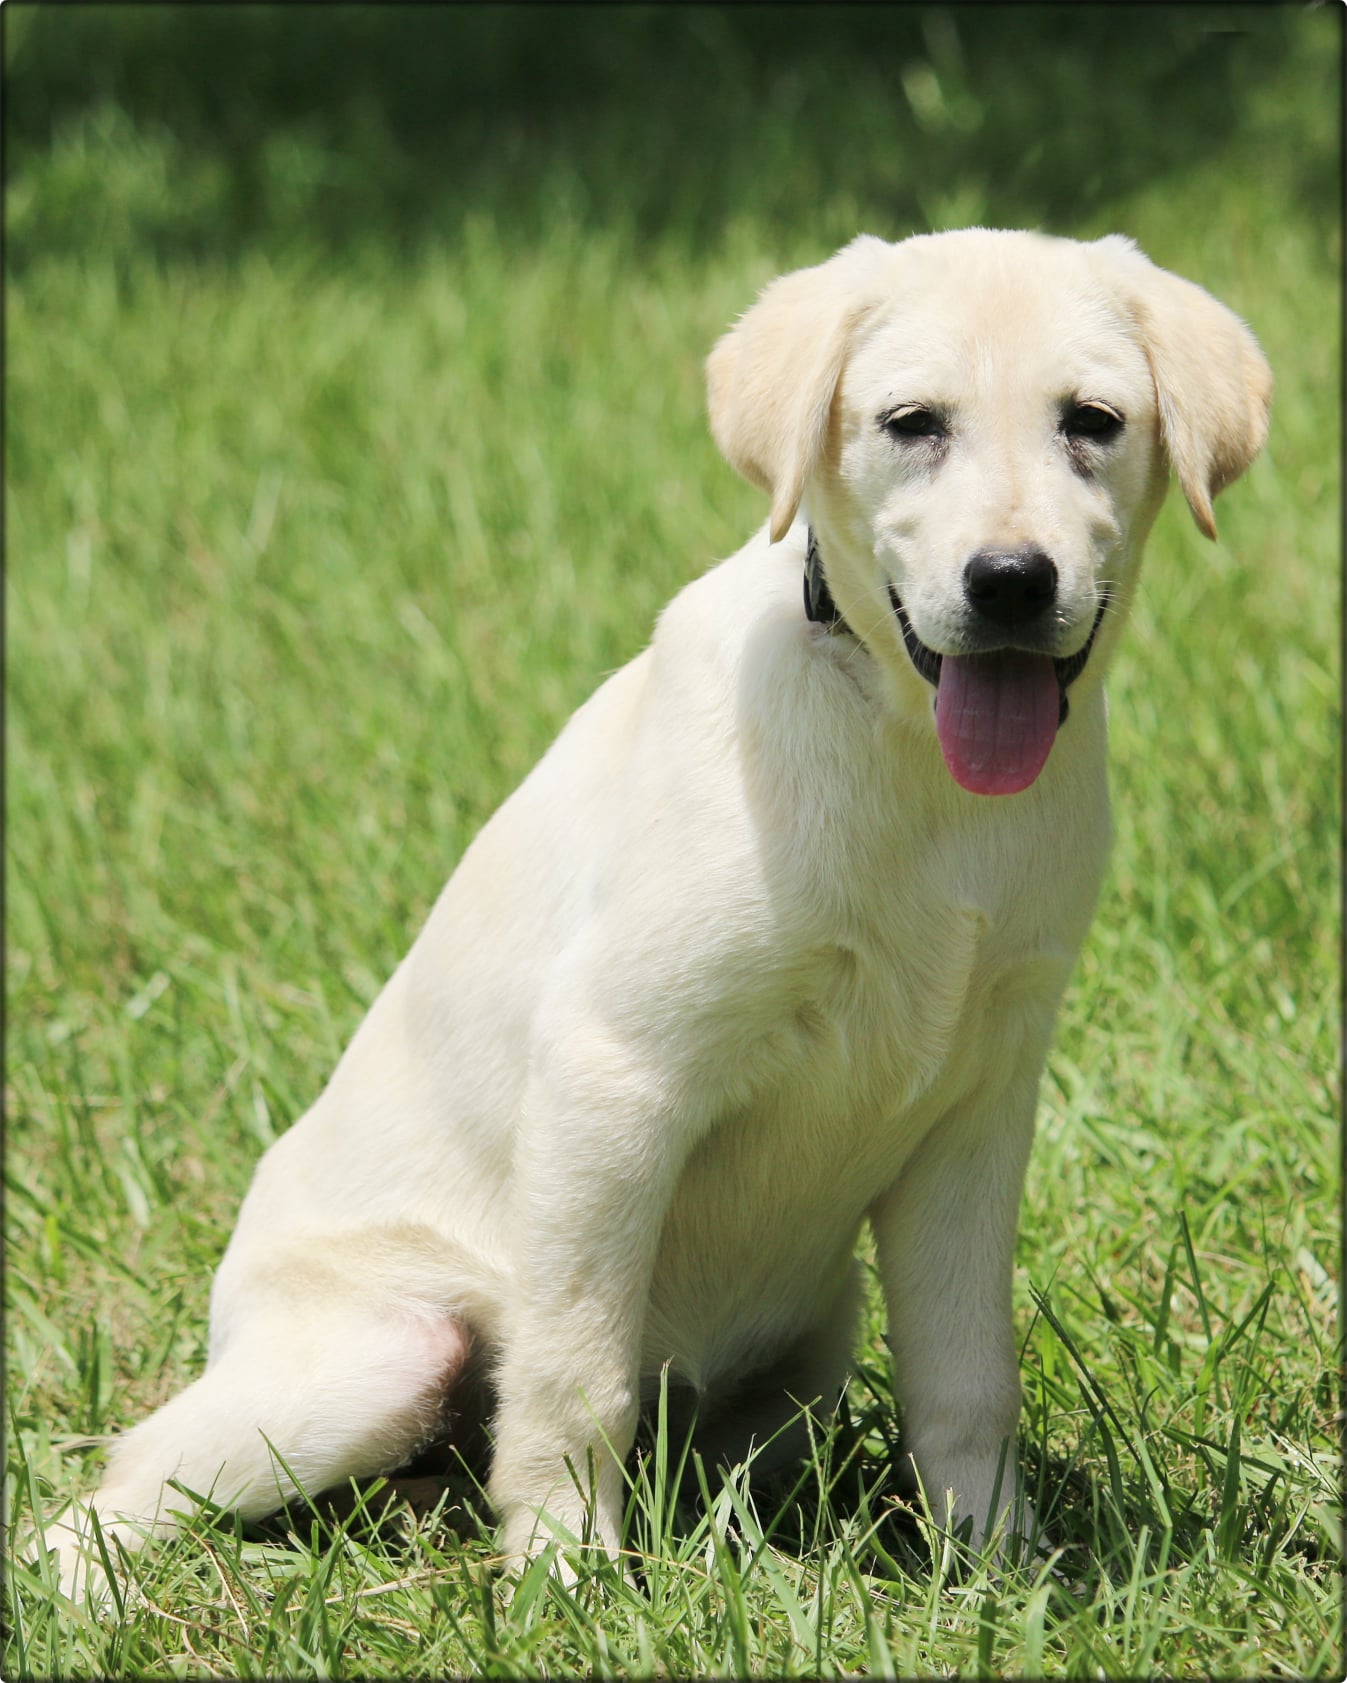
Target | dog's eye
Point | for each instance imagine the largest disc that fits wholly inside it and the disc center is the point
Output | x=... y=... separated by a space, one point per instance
x=1091 y=420
x=912 y=421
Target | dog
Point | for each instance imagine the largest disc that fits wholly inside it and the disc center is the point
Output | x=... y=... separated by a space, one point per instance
x=769 y=945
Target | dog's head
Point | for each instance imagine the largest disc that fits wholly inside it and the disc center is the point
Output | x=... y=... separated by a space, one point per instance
x=980 y=426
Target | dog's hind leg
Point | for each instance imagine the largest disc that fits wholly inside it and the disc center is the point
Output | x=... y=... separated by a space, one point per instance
x=312 y=1385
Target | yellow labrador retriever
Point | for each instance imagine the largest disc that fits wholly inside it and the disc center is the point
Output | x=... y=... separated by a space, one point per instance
x=769 y=945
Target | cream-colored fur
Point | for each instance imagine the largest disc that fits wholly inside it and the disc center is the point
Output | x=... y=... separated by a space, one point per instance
x=739 y=967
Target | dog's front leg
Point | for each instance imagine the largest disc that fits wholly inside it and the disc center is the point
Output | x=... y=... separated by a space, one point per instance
x=596 y=1168
x=946 y=1240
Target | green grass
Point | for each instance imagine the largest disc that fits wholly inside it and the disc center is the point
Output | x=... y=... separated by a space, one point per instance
x=314 y=544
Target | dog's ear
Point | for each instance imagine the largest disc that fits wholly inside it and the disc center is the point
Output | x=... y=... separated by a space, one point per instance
x=1212 y=382
x=771 y=379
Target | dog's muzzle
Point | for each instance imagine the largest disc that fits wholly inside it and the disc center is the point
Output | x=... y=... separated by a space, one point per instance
x=997 y=712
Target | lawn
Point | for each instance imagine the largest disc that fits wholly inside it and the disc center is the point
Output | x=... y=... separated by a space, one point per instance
x=350 y=440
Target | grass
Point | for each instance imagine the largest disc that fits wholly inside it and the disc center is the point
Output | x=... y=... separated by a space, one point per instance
x=313 y=547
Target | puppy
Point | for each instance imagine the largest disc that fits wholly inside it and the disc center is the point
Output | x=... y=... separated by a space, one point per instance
x=768 y=946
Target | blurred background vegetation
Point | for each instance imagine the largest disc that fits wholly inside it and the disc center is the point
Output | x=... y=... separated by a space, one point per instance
x=257 y=123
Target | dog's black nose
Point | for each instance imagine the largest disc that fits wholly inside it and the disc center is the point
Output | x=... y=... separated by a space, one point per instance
x=1010 y=586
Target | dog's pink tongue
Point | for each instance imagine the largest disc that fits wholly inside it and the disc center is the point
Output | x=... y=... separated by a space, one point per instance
x=996 y=717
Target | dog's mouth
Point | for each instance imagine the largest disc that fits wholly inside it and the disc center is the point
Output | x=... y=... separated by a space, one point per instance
x=997 y=713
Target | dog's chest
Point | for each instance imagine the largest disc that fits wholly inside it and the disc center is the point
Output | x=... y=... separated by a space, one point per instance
x=887 y=1036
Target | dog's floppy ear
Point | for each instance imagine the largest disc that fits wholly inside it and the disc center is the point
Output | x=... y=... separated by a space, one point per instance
x=772 y=377
x=1212 y=381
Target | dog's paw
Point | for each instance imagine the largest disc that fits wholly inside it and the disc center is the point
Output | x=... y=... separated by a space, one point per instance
x=972 y=1510
x=80 y=1572
x=567 y=1537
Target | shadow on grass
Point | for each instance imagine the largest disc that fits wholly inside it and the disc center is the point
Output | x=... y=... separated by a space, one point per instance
x=1095 y=1528
x=852 y=1487
x=342 y=124
x=801 y=1506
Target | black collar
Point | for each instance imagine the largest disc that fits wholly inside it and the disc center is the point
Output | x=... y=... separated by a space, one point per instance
x=818 y=599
